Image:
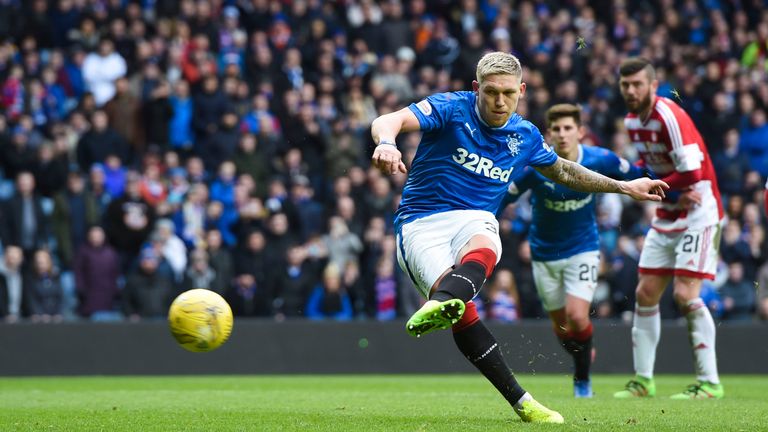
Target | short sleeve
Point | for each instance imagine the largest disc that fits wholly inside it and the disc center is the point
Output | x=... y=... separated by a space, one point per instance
x=434 y=111
x=542 y=154
x=617 y=167
x=521 y=181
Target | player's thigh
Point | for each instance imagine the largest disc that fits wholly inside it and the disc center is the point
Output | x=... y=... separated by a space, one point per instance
x=424 y=254
x=580 y=275
x=696 y=253
x=548 y=278
x=658 y=255
x=475 y=230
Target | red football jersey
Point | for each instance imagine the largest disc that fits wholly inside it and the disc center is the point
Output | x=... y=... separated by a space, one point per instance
x=668 y=141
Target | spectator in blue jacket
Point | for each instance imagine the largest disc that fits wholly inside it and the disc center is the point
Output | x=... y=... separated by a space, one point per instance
x=329 y=300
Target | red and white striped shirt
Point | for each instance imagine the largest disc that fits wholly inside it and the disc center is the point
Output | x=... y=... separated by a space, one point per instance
x=669 y=143
x=765 y=199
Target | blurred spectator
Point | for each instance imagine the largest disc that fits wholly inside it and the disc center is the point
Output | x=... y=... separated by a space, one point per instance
x=171 y=247
x=762 y=292
x=18 y=156
x=148 y=292
x=52 y=167
x=251 y=259
x=100 y=142
x=530 y=306
x=738 y=295
x=753 y=139
x=503 y=299
x=24 y=221
x=622 y=275
x=152 y=186
x=731 y=165
x=343 y=246
x=124 y=112
x=97 y=269
x=220 y=146
x=329 y=300
x=74 y=211
x=101 y=69
x=209 y=107
x=43 y=290
x=248 y=298
x=385 y=288
x=199 y=274
x=250 y=159
x=191 y=217
x=12 y=284
x=293 y=284
x=279 y=236
x=180 y=125
x=129 y=220
x=309 y=212
x=220 y=260
x=711 y=297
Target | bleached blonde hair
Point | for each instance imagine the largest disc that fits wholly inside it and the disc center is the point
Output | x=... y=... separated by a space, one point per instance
x=498 y=63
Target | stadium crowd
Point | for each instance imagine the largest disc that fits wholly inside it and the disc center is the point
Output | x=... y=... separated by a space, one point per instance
x=153 y=146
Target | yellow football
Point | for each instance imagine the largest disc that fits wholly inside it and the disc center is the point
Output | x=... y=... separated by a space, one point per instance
x=200 y=320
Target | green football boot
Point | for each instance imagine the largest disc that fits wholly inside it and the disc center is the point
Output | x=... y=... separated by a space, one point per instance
x=435 y=315
x=533 y=412
x=637 y=387
x=701 y=390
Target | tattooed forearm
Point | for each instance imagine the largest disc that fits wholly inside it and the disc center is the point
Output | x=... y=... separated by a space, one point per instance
x=578 y=178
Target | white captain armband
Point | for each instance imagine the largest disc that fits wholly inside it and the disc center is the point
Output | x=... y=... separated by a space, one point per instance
x=687 y=158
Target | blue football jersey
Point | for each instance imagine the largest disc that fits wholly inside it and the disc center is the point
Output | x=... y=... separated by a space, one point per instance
x=564 y=222
x=461 y=162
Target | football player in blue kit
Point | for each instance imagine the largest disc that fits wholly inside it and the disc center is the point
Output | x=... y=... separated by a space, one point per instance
x=447 y=233
x=563 y=236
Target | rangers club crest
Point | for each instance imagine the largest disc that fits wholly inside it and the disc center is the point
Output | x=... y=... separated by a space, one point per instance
x=513 y=143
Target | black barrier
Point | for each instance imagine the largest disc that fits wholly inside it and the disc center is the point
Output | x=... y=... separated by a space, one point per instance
x=266 y=347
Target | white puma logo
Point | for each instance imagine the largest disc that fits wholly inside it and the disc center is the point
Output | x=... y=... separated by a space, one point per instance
x=469 y=128
x=549 y=185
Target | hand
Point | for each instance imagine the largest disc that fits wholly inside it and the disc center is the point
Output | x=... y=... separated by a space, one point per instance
x=689 y=199
x=645 y=189
x=388 y=159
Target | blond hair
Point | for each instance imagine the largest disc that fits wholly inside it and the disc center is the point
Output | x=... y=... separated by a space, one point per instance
x=498 y=63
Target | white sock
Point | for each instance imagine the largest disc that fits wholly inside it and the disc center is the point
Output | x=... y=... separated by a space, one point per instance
x=526 y=397
x=646 y=331
x=701 y=329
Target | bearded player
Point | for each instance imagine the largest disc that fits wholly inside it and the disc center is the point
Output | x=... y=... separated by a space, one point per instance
x=682 y=244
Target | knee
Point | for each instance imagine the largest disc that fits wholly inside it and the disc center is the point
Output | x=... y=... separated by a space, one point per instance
x=682 y=295
x=685 y=290
x=578 y=320
x=646 y=295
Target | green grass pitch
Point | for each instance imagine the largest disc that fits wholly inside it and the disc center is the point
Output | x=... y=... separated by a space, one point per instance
x=359 y=403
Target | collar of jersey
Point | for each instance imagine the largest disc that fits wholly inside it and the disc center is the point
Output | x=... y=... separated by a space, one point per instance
x=479 y=117
x=581 y=154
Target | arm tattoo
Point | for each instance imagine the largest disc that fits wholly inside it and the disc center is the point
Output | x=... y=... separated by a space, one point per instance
x=578 y=178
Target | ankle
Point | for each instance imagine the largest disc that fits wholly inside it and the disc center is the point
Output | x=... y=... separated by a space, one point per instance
x=525 y=397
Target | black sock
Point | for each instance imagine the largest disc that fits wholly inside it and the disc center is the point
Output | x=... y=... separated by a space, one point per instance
x=464 y=282
x=480 y=347
x=581 y=351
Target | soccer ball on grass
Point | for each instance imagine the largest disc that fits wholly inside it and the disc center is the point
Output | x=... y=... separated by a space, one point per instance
x=200 y=320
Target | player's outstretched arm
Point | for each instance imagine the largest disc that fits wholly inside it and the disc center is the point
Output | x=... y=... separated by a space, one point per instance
x=578 y=178
x=384 y=130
